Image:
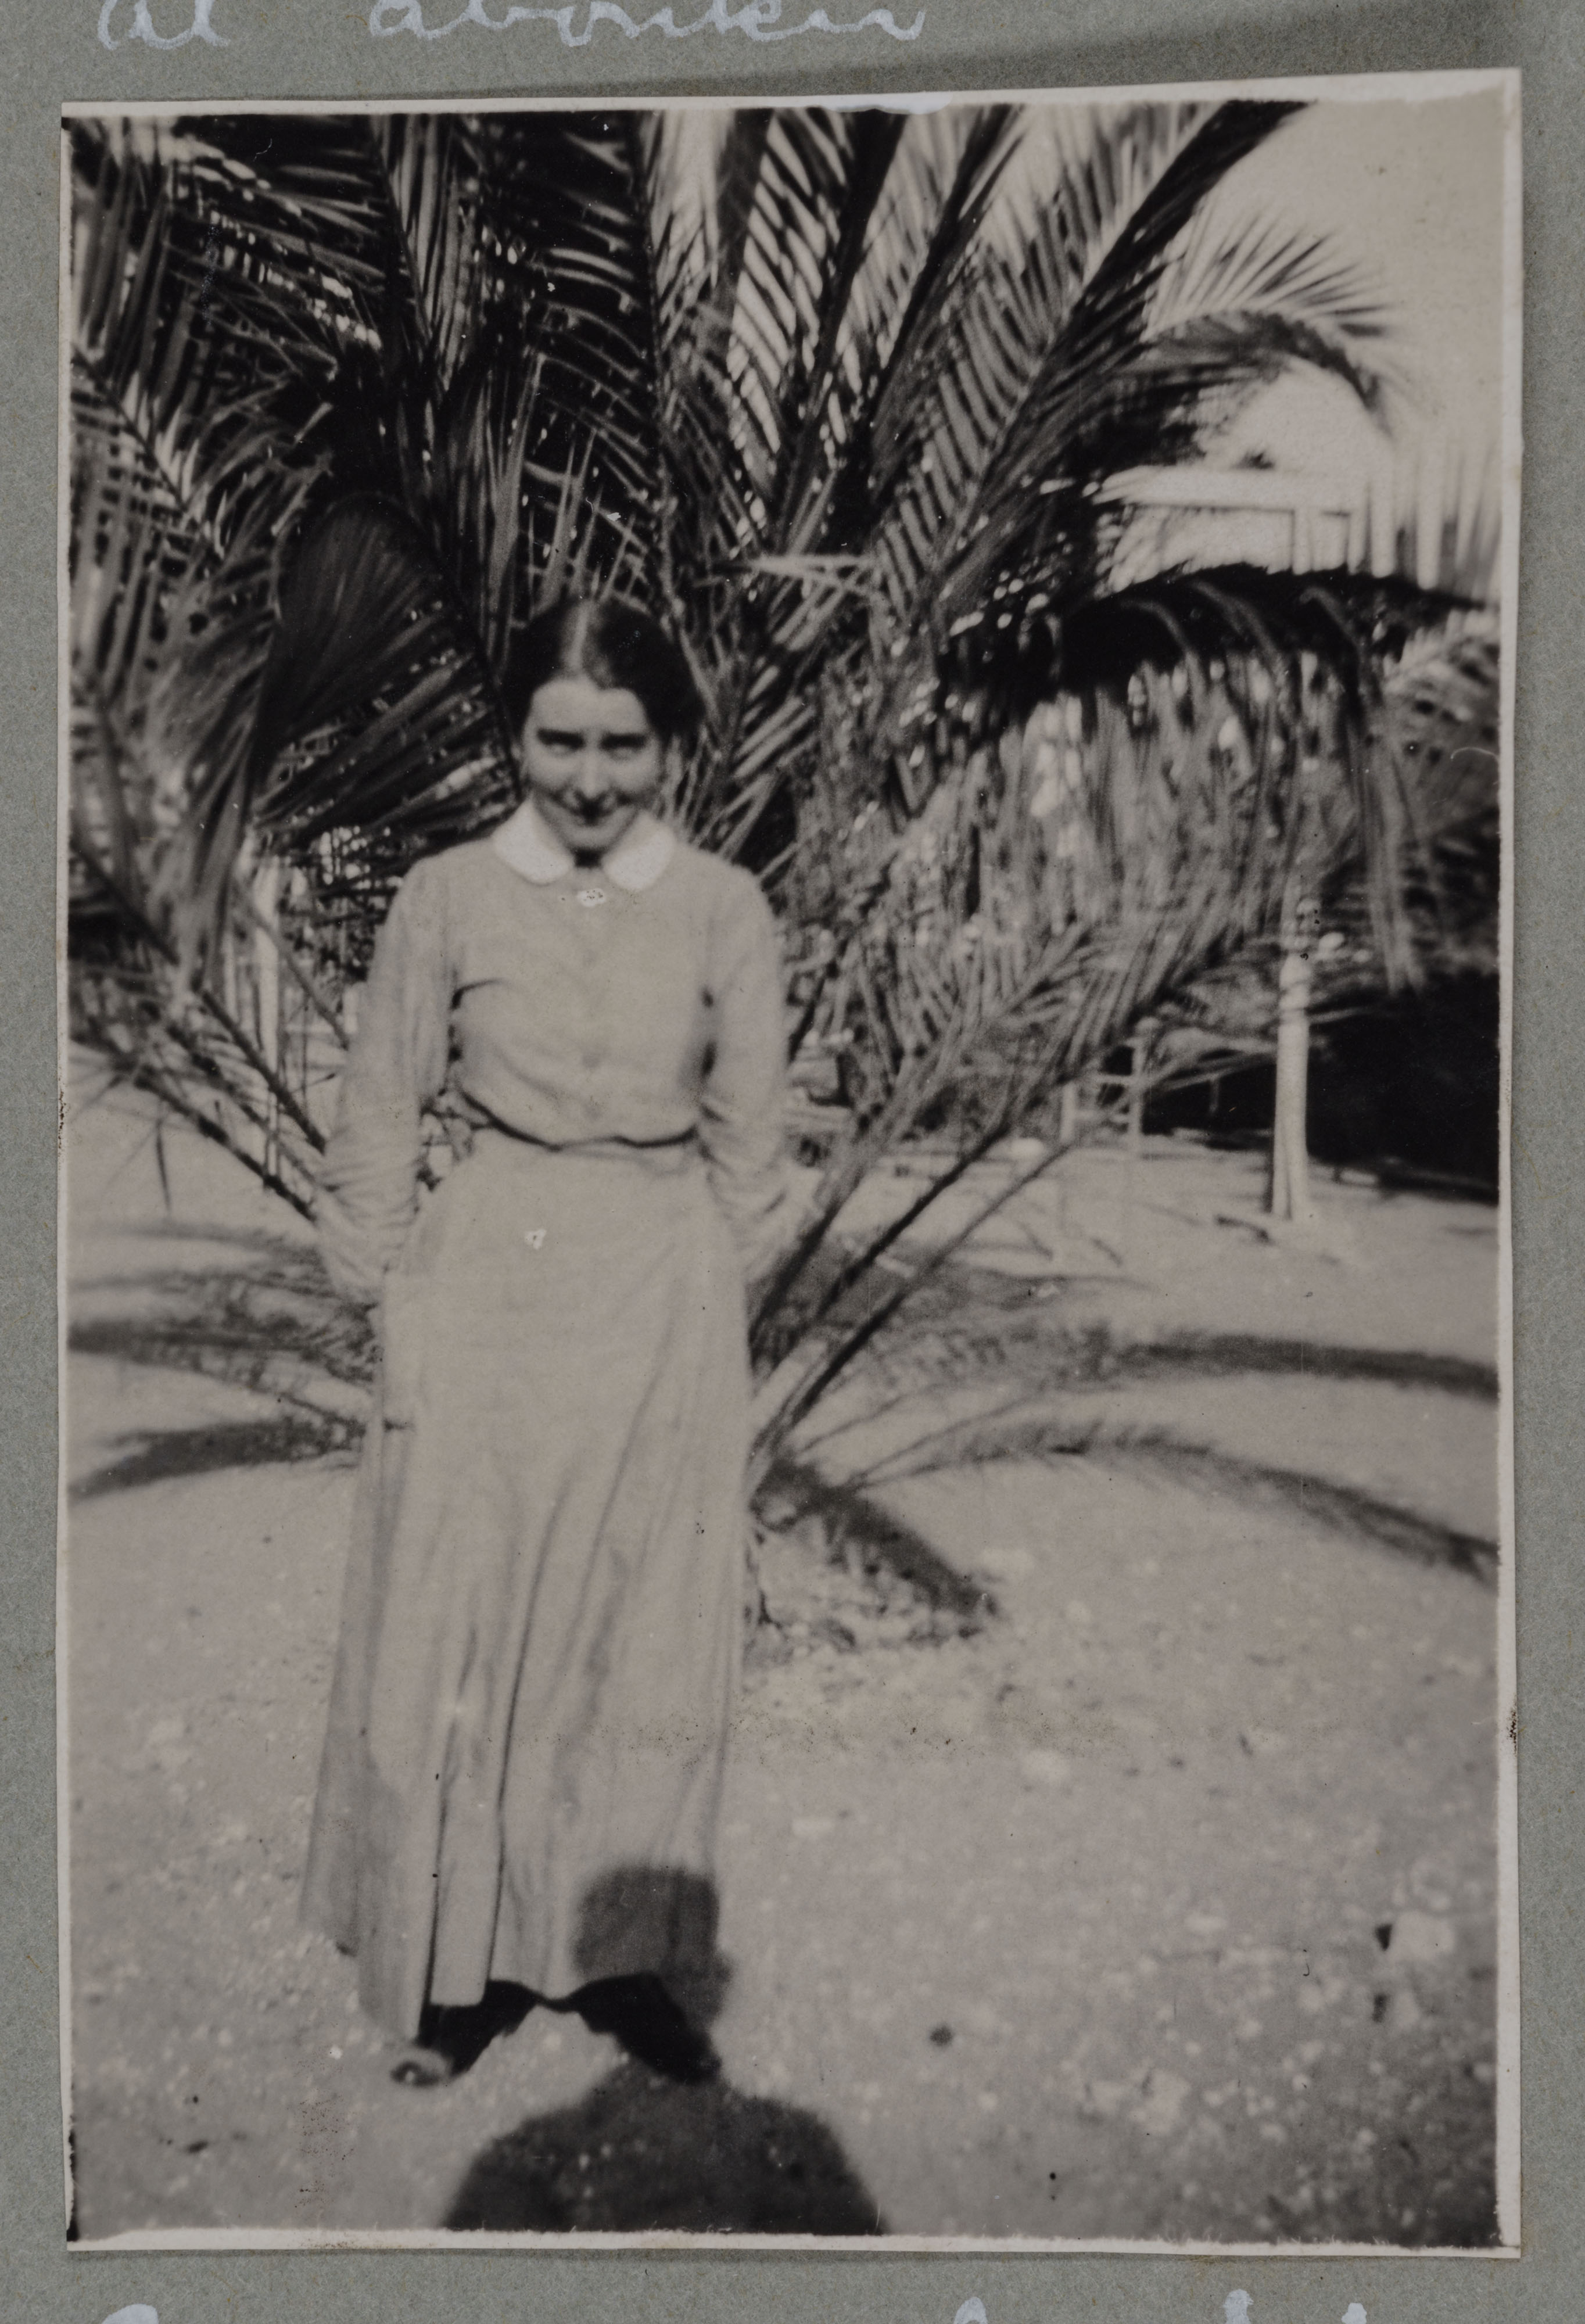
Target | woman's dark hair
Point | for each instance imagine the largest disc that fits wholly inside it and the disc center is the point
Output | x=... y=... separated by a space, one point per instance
x=616 y=646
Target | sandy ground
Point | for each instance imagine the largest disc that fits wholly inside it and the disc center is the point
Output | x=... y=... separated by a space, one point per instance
x=1123 y=1867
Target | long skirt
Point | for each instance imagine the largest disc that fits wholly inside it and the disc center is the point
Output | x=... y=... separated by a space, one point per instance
x=541 y=1631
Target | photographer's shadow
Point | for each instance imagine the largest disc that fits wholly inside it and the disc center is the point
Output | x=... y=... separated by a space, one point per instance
x=644 y=2153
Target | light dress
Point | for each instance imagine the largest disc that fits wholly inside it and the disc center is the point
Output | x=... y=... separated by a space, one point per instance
x=542 y=1629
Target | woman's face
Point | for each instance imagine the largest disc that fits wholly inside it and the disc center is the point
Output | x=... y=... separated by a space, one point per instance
x=592 y=761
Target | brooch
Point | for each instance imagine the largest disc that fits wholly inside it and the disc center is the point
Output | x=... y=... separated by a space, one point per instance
x=590 y=897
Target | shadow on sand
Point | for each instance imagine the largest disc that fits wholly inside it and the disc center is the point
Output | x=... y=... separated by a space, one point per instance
x=640 y=2154
x=645 y=2151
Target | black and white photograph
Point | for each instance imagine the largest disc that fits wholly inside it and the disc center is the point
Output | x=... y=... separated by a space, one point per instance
x=785 y=1510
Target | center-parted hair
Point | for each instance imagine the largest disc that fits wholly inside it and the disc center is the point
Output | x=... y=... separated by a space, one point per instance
x=613 y=645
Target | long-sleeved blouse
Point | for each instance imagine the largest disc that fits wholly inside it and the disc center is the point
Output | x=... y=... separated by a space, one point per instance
x=568 y=1008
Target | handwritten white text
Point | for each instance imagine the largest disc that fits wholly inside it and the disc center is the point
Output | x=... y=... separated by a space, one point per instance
x=142 y=27
x=760 y=20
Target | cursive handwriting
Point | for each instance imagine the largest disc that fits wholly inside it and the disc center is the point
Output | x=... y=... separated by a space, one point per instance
x=760 y=20
x=142 y=27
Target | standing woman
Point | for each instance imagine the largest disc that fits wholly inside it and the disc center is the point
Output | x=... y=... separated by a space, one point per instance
x=542 y=1628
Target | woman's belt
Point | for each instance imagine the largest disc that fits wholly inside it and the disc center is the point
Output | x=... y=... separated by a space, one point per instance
x=666 y=1158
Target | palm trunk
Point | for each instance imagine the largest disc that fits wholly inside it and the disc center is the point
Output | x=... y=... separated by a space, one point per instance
x=1290 y=1151
x=263 y=899
x=1138 y=1083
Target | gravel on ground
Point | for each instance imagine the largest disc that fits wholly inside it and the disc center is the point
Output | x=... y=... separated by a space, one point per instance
x=1110 y=1843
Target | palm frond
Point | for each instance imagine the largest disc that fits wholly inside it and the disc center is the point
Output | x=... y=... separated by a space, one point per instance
x=1107 y=335
x=838 y=395
x=372 y=648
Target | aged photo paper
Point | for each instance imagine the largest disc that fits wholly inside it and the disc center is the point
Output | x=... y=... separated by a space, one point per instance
x=785 y=843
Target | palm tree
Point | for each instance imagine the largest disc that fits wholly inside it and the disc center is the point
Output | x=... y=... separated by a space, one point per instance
x=832 y=392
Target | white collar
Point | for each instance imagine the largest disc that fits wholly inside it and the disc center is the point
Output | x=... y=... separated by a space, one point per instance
x=641 y=855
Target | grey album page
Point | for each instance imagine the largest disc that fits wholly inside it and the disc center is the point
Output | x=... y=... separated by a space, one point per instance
x=805 y=1496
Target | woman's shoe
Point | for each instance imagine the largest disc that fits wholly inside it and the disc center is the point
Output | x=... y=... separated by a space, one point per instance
x=420 y=2068
x=451 y=2040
